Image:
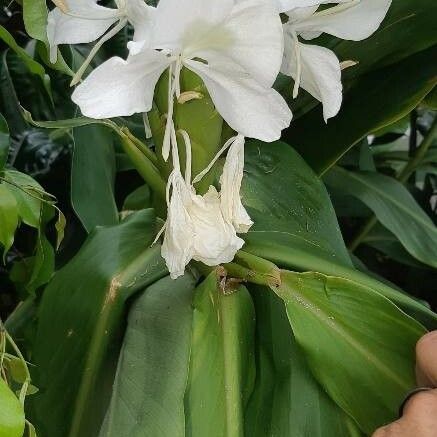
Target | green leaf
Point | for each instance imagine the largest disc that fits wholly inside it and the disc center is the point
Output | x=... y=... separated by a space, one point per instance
x=355 y=341
x=35 y=19
x=93 y=175
x=16 y=369
x=33 y=66
x=8 y=218
x=44 y=260
x=403 y=86
x=9 y=103
x=394 y=207
x=27 y=194
x=148 y=394
x=61 y=222
x=81 y=321
x=287 y=400
x=222 y=367
x=11 y=413
x=295 y=224
x=138 y=199
x=5 y=142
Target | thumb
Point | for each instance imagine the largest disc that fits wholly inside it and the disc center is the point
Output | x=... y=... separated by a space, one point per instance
x=426 y=360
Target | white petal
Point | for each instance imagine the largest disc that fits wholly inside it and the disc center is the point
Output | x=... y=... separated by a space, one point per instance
x=140 y=15
x=321 y=75
x=288 y=5
x=252 y=37
x=355 y=23
x=177 y=248
x=215 y=239
x=248 y=107
x=179 y=20
x=121 y=88
x=233 y=209
x=71 y=29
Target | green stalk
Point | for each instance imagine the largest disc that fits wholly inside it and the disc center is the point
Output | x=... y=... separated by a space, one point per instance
x=403 y=177
x=145 y=167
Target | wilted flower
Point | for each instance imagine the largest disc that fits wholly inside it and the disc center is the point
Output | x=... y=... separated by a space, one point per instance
x=196 y=227
x=317 y=69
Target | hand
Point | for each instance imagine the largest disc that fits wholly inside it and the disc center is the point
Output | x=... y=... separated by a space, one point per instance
x=420 y=412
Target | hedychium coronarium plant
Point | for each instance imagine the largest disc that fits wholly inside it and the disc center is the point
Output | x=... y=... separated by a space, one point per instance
x=215 y=297
x=211 y=40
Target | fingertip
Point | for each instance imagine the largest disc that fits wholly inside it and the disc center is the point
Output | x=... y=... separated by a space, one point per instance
x=426 y=360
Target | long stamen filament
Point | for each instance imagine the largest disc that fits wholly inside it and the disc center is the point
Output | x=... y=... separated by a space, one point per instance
x=188 y=161
x=205 y=171
x=78 y=76
x=173 y=88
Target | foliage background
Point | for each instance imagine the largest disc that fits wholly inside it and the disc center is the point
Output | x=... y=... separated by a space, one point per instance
x=383 y=187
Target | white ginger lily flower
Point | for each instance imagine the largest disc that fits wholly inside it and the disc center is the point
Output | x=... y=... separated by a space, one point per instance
x=84 y=21
x=236 y=49
x=196 y=227
x=317 y=69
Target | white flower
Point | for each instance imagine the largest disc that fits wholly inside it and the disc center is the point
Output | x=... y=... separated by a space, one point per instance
x=317 y=69
x=84 y=21
x=196 y=227
x=235 y=48
x=233 y=209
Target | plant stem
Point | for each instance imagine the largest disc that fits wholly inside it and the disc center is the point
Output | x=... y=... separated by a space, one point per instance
x=403 y=177
x=144 y=166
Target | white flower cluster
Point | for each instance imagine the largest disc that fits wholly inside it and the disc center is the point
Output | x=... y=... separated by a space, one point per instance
x=237 y=47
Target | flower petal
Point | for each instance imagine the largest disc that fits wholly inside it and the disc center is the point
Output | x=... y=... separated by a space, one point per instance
x=321 y=74
x=288 y=5
x=121 y=88
x=248 y=107
x=140 y=15
x=215 y=239
x=254 y=40
x=355 y=23
x=177 y=20
x=233 y=210
x=177 y=248
x=71 y=29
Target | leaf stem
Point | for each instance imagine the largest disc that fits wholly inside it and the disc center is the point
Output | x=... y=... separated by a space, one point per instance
x=402 y=177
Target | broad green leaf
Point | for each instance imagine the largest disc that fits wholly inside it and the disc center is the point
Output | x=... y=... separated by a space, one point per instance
x=358 y=344
x=148 y=395
x=295 y=224
x=403 y=86
x=11 y=413
x=8 y=218
x=222 y=367
x=93 y=175
x=81 y=321
x=394 y=207
x=287 y=400
x=5 y=142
